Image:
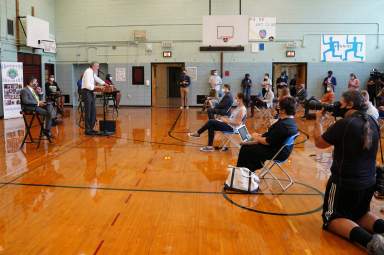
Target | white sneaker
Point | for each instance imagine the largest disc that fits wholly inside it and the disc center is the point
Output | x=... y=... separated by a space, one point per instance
x=207 y=149
x=194 y=134
x=181 y=107
x=376 y=245
x=187 y=107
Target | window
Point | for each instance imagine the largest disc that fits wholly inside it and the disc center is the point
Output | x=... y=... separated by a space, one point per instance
x=10 y=27
x=137 y=75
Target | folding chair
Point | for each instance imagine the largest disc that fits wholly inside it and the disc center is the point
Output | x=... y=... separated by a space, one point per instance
x=267 y=167
x=28 y=126
x=229 y=136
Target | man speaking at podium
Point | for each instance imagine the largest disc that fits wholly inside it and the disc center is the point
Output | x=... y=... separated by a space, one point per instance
x=89 y=81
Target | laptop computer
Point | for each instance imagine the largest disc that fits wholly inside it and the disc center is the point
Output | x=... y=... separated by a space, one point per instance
x=244 y=134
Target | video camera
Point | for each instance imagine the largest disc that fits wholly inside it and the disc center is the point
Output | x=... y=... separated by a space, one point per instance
x=376 y=75
x=332 y=108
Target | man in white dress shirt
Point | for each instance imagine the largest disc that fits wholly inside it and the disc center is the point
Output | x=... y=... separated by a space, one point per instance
x=89 y=82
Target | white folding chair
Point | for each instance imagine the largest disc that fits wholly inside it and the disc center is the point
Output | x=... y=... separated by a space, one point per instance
x=229 y=136
x=267 y=167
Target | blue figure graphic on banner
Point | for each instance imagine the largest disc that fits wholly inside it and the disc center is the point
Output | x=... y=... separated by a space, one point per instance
x=354 y=48
x=333 y=45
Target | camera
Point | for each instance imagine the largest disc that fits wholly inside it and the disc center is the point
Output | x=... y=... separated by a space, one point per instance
x=332 y=108
x=376 y=75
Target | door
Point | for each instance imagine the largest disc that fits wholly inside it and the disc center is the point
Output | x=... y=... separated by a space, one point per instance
x=49 y=70
x=31 y=66
x=173 y=81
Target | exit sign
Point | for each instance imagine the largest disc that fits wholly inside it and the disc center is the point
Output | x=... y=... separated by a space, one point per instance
x=167 y=54
x=290 y=53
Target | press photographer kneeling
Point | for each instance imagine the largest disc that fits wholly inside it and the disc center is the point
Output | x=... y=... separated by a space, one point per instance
x=346 y=209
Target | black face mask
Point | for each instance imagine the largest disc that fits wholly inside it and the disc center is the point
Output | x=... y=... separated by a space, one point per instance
x=343 y=111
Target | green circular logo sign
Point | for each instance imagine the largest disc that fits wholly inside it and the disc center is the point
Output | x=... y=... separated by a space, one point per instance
x=12 y=73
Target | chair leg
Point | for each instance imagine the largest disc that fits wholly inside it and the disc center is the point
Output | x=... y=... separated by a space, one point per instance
x=28 y=127
x=267 y=169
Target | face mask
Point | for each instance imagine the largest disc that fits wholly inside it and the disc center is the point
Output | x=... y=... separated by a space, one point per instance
x=51 y=79
x=110 y=78
x=343 y=111
x=329 y=89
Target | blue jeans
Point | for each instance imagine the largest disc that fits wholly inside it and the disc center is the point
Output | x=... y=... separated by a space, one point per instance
x=247 y=94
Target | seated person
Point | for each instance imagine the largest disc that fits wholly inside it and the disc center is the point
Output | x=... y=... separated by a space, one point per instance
x=30 y=101
x=327 y=98
x=52 y=93
x=115 y=93
x=371 y=111
x=224 y=106
x=223 y=123
x=264 y=102
x=301 y=93
x=211 y=101
x=284 y=92
x=264 y=146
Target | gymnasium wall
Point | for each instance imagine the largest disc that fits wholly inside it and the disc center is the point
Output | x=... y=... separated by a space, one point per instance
x=102 y=30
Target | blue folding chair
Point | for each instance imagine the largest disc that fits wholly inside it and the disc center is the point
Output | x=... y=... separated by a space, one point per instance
x=267 y=167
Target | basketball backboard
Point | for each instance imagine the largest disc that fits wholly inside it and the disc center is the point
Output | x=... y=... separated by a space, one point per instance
x=229 y=30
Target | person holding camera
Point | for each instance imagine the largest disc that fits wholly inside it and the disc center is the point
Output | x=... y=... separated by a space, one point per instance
x=346 y=209
x=326 y=99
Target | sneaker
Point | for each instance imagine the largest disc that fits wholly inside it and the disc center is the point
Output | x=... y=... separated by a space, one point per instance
x=376 y=245
x=194 y=134
x=181 y=108
x=187 y=107
x=207 y=149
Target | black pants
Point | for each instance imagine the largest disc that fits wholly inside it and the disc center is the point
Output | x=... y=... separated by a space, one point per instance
x=212 y=126
x=253 y=155
x=372 y=93
x=46 y=112
x=89 y=109
x=212 y=111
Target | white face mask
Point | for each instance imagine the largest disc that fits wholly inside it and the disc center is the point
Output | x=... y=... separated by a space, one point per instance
x=51 y=79
x=329 y=89
x=110 y=78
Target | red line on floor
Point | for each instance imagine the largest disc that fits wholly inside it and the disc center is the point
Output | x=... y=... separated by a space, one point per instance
x=126 y=200
x=98 y=247
x=115 y=219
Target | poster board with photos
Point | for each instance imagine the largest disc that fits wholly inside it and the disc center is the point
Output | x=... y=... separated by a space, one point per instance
x=12 y=83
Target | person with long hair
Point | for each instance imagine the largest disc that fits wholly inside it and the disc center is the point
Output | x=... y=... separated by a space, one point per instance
x=346 y=209
x=353 y=83
x=223 y=123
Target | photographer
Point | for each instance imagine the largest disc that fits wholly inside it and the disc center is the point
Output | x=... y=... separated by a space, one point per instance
x=346 y=209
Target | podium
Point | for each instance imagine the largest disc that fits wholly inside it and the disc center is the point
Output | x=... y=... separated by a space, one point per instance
x=106 y=127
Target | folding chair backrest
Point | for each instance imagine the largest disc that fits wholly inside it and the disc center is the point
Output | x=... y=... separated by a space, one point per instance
x=288 y=143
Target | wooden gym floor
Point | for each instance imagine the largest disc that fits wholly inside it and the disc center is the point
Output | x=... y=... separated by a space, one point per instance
x=149 y=190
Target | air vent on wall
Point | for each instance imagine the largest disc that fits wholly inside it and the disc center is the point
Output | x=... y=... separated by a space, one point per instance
x=140 y=36
x=166 y=44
